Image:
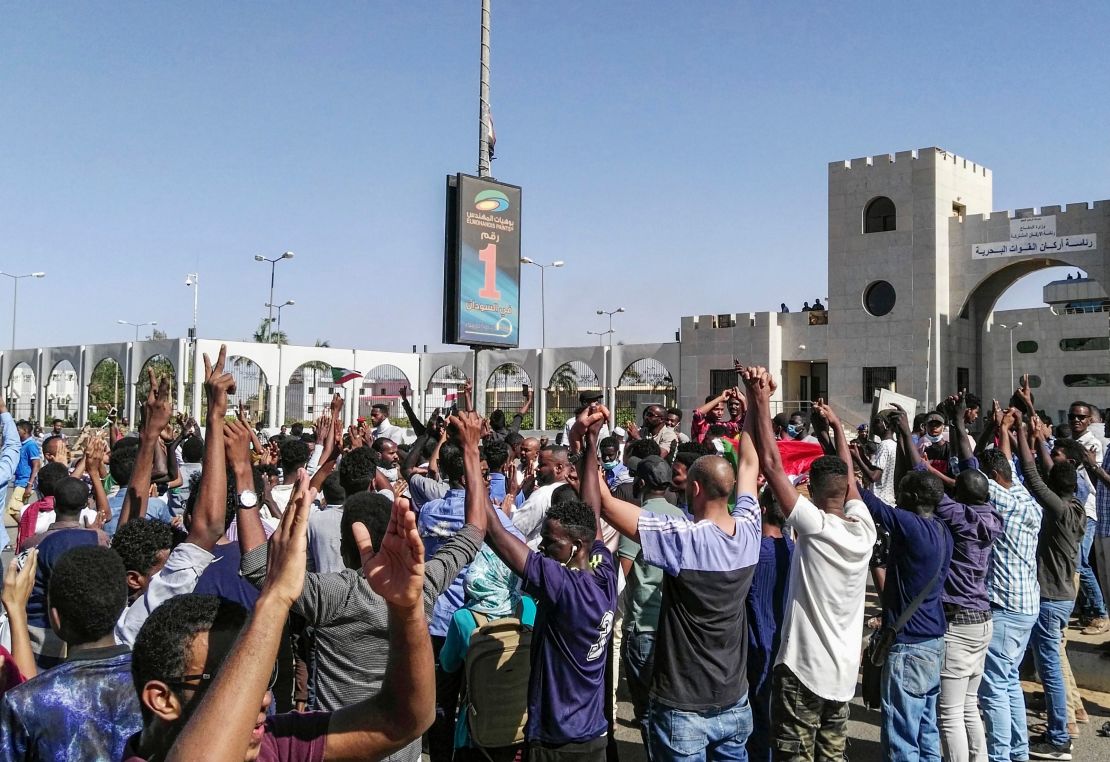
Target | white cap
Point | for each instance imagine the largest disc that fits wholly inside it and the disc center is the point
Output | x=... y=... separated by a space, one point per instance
x=620 y=432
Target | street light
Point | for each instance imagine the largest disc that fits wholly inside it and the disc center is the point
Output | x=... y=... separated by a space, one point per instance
x=15 y=294
x=610 y=313
x=273 y=265
x=193 y=281
x=543 y=315
x=137 y=326
x=599 y=334
x=279 y=307
x=1011 y=330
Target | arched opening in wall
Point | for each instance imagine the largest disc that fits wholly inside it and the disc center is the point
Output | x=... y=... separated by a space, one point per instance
x=505 y=392
x=63 y=395
x=880 y=216
x=106 y=391
x=251 y=389
x=23 y=394
x=644 y=382
x=444 y=389
x=1041 y=317
x=382 y=385
x=568 y=381
x=309 y=391
x=162 y=367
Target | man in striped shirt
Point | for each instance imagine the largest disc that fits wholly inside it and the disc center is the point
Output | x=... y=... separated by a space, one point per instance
x=1015 y=602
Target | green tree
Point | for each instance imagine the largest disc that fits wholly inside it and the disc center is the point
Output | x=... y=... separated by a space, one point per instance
x=106 y=387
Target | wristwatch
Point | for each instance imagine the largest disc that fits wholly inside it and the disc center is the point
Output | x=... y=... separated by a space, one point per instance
x=248 y=499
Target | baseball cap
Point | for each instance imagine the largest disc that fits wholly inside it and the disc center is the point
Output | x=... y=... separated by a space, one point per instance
x=861 y=427
x=654 y=472
x=586 y=398
x=934 y=418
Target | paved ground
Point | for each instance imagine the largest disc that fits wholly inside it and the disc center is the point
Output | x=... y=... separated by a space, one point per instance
x=863 y=730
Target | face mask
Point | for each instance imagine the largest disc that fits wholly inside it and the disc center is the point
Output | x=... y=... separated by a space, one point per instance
x=390 y=473
x=793 y=430
x=609 y=465
x=934 y=439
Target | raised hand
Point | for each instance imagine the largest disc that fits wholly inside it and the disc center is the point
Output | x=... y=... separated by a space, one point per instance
x=357 y=439
x=396 y=570
x=826 y=412
x=237 y=440
x=336 y=408
x=287 y=558
x=159 y=403
x=96 y=455
x=19 y=583
x=218 y=384
x=325 y=437
x=468 y=426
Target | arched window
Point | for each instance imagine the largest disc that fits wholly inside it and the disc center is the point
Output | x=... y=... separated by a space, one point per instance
x=879 y=216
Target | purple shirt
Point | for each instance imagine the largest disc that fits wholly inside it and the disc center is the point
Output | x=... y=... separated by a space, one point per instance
x=574 y=619
x=289 y=737
x=974 y=529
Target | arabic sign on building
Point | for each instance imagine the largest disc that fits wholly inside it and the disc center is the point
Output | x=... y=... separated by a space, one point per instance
x=482 y=267
x=1034 y=236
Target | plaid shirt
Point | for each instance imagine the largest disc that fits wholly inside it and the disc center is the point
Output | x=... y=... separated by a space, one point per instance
x=1012 y=581
x=1102 y=500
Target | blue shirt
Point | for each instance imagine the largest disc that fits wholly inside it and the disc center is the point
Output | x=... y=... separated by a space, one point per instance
x=1012 y=581
x=29 y=451
x=86 y=708
x=1102 y=500
x=920 y=548
x=438 y=522
x=156 y=508
x=53 y=546
x=496 y=487
x=767 y=608
x=222 y=578
x=574 y=619
x=9 y=455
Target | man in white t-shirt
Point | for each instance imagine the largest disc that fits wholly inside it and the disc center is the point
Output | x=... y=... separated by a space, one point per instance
x=880 y=471
x=819 y=655
x=1093 y=616
x=550 y=474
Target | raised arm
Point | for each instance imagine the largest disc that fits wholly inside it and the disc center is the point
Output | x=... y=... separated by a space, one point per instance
x=96 y=455
x=959 y=429
x=18 y=584
x=990 y=427
x=760 y=387
x=211 y=505
x=220 y=728
x=418 y=428
x=707 y=408
x=1033 y=481
x=248 y=523
x=156 y=414
x=467 y=426
x=905 y=440
x=842 y=449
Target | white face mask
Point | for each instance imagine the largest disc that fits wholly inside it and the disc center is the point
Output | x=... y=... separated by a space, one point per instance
x=390 y=473
x=934 y=439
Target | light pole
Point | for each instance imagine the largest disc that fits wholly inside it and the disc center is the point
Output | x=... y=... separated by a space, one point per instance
x=610 y=313
x=279 y=307
x=599 y=335
x=193 y=281
x=1011 y=330
x=137 y=326
x=273 y=266
x=543 y=316
x=15 y=295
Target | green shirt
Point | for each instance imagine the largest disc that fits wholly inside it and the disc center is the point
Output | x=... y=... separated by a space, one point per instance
x=643 y=590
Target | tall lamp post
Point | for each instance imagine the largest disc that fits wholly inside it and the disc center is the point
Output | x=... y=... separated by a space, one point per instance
x=279 y=308
x=543 y=315
x=15 y=295
x=599 y=335
x=1011 y=328
x=273 y=266
x=610 y=313
x=192 y=280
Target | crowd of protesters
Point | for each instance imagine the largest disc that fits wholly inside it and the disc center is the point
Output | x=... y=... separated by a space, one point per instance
x=356 y=593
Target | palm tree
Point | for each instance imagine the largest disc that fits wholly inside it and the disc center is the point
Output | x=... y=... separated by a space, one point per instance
x=263 y=336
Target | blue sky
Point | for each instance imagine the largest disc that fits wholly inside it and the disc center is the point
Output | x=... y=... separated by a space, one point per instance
x=674 y=155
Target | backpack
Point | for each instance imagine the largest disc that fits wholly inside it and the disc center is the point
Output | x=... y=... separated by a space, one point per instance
x=498 y=663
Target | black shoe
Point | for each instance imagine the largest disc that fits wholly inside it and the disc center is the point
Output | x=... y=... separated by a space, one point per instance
x=1044 y=749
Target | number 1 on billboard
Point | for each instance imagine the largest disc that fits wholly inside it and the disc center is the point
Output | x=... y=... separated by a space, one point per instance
x=488 y=257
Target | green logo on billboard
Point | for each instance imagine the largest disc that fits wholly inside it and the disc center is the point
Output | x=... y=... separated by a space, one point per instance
x=491 y=200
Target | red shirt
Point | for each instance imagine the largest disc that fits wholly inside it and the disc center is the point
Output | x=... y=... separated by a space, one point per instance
x=30 y=518
x=290 y=737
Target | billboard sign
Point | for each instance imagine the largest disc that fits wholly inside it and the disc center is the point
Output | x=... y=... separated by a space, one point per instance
x=481 y=278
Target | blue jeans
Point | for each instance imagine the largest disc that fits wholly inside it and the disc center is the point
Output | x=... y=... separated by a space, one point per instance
x=910 y=689
x=1000 y=698
x=1045 y=641
x=1093 y=604
x=638 y=655
x=717 y=735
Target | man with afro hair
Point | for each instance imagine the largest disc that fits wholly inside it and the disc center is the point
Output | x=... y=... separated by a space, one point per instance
x=86 y=707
